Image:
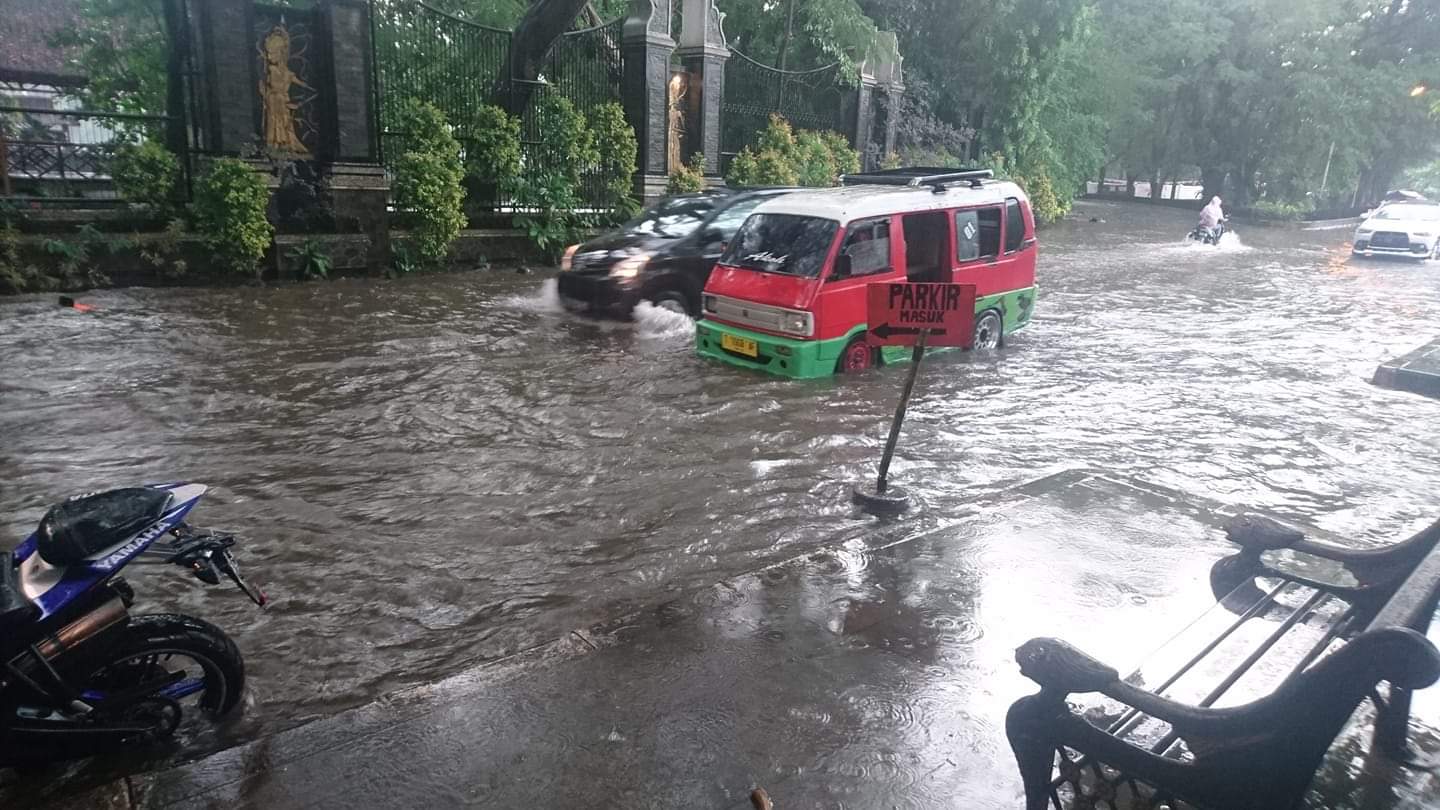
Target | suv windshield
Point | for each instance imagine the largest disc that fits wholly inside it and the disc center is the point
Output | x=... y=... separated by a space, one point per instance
x=1393 y=211
x=782 y=243
x=673 y=219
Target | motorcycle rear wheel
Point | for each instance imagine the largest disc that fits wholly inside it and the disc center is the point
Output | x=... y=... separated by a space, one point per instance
x=162 y=642
x=153 y=648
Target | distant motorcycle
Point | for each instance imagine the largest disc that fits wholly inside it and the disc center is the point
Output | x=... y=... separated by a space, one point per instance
x=78 y=674
x=1208 y=236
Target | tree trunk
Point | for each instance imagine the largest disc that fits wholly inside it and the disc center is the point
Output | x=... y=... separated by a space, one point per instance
x=1157 y=188
x=1213 y=181
x=545 y=21
x=1129 y=184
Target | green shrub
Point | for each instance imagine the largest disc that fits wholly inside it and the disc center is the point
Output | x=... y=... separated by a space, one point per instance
x=688 y=178
x=1045 y=204
x=547 y=196
x=426 y=182
x=847 y=159
x=615 y=152
x=16 y=275
x=1277 y=209
x=778 y=137
x=492 y=147
x=549 y=215
x=782 y=157
x=162 y=251
x=426 y=130
x=230 y=202
x=312 y=260
x=816 y=165
x=565 y=140
x=426 y=189
x=146 y=174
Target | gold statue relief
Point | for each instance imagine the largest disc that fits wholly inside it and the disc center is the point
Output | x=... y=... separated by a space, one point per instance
x=679 y=89
x=276 y=106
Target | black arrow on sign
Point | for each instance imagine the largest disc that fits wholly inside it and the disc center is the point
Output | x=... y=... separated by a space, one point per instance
x=885 y=330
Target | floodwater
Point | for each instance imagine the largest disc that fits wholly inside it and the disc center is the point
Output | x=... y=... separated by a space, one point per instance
x=440 y=470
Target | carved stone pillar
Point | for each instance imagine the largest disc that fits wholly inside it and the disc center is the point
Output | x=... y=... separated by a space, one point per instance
x=865 y=120
x=647 y=47
x=887 y=71
x=704 y=54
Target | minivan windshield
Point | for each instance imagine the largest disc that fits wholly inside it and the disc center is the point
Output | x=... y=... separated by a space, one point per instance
x=788 y=244
x=674 y=218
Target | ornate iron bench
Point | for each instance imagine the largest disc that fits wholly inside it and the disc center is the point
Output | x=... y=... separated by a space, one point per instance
x=1309 y=629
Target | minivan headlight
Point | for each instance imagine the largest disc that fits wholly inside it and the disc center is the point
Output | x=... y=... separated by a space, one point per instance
x=709 y=303
x=627 y=269
x=796 y=323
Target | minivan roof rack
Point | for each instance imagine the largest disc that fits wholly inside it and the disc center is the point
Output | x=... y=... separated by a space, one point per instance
x=915 y=176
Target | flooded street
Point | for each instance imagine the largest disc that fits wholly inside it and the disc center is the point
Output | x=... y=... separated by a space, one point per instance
x=436 y=471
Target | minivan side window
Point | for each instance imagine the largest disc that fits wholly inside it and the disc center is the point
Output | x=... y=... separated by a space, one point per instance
x=1014 y=226
x=868 y=246
x=977 y=234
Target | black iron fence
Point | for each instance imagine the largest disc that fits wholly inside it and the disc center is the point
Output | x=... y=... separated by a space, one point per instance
x=51 y=156
x=816 y=99
x=460 y=66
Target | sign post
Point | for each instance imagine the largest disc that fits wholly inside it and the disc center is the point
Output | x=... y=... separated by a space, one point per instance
x=912 y=315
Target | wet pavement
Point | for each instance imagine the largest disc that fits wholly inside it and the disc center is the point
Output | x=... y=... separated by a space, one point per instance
x=872 y=675
x=441 y=471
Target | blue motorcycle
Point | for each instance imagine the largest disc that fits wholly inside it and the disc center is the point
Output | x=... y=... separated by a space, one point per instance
x=80 y=675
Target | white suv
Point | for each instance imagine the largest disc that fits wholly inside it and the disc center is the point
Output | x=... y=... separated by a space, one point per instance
x=1401 y=229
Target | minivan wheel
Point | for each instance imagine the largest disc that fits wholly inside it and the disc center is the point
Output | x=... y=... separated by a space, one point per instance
x=989 y=330
x=857 y=357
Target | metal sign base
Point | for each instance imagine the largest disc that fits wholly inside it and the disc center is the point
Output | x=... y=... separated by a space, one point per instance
x=892 y=501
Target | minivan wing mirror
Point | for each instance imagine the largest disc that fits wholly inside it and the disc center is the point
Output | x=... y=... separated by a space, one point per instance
x=842 y=268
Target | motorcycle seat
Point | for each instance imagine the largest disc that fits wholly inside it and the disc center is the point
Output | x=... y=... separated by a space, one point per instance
x=14 y=606
x=75 y=529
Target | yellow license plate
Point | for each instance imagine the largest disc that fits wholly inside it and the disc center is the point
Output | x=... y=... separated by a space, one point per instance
x=740 y=345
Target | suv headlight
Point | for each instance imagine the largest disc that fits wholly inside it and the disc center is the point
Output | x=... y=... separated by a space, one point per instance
x=797 y=323
x=1422 y=234
x=1364 y=232
x=628 y=269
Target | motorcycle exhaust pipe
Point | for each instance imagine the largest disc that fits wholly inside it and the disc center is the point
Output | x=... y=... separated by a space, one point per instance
x=82 y=629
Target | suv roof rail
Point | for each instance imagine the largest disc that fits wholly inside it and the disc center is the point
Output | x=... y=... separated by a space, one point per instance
x=915 y=176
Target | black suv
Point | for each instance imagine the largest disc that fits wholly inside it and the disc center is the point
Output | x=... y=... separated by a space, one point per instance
x=664 y=256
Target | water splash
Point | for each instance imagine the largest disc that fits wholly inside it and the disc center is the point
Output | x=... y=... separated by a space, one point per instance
x=655 y=322
x=545 y=301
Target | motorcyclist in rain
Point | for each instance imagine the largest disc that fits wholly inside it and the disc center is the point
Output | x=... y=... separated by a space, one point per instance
x=1211 y=216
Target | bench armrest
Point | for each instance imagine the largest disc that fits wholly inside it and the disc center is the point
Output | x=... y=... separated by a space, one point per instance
x=1399 y=655
x=1261 y=533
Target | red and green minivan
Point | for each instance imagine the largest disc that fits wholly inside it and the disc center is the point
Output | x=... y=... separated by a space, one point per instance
x=788 y=295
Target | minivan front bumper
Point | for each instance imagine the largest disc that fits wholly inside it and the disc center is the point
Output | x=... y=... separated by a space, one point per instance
x=786 y=357
x=586 y=292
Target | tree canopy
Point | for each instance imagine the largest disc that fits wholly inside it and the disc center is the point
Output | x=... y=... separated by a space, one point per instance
x=1264 y=100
